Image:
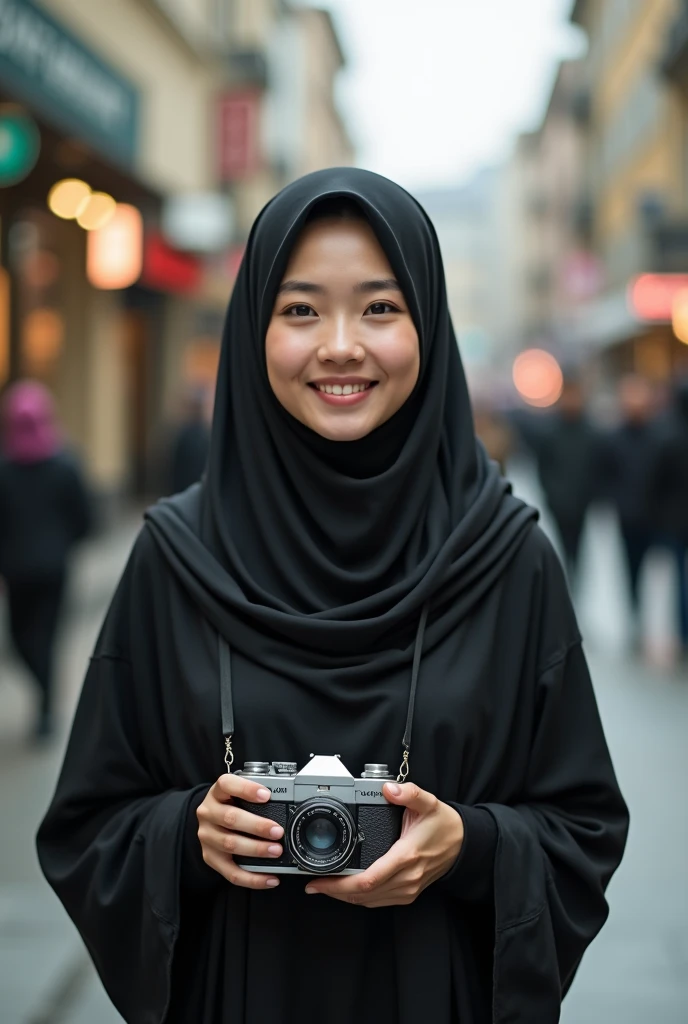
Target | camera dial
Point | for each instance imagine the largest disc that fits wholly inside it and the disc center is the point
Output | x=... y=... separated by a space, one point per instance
x=285 y=767
x=376 y=771
x=257 y=767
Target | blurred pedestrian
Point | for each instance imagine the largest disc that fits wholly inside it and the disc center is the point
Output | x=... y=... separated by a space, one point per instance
x=493 y=430
x=670 y=496
x=569 y=467
x=190 y=443
x=44 y=511
x=630 y=459
x=345 y=508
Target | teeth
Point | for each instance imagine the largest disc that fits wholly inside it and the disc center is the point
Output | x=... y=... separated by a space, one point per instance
x=342 y=389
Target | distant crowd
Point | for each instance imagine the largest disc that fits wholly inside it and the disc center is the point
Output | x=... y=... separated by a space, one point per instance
x=639 y=466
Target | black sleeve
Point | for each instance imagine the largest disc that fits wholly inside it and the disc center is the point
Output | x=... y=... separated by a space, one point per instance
x=77 y=501
x=557 y=847
x=471 y=877
x=115 y=836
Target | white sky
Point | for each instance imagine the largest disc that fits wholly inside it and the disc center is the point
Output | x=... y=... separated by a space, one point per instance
x=435 y=89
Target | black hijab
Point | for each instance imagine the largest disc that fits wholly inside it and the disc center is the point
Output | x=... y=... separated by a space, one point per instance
x=331 y=549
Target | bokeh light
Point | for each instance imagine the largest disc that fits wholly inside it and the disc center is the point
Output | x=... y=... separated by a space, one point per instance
x=114 y=253
x=679 y=316
x=67 y=198
x=99 y=209
x=538 y=377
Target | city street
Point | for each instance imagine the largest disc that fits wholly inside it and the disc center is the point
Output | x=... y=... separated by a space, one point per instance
x=638 y=968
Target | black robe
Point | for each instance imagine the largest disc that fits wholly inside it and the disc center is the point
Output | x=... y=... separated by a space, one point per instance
x=314 y=560
x=506 y=726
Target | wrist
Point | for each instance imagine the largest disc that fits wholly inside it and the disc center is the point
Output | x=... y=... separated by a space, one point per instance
x=455 y=834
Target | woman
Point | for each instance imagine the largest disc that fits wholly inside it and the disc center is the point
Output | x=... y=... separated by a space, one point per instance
x=337 y=534
x=44 y=511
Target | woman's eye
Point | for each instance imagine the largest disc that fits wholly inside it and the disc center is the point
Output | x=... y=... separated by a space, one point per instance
x=301 y=310
x=379 y=308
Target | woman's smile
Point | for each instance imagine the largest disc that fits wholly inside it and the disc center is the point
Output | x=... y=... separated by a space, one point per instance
x=343 y=391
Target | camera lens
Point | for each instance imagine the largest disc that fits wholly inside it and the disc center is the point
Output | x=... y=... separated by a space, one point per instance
x=322 y=835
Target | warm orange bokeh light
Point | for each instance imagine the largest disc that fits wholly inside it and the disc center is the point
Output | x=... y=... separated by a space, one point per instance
x=99 y=209
x=114 y=253
x=679 y=315
x=652 y=296
x=67 y=198
x=537 y=377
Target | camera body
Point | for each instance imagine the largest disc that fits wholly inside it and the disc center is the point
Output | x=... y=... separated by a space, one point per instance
x=334 y=823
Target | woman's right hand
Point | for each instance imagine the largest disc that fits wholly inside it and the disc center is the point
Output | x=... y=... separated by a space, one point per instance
x=220 y=824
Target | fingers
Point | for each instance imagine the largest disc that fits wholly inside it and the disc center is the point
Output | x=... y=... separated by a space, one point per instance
x=236 y=845
x=226 y=867
x=399 y=858
x=228 y=786
x=411 y=796
x=228 y=816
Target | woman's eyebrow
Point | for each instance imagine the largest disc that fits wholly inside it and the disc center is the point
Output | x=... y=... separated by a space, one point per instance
x=384 y=284
x=300 y=286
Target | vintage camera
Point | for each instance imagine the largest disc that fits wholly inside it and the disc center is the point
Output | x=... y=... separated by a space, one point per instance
x=334 y=824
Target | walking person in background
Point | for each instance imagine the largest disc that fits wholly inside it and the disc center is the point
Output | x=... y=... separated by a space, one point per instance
x=568 y=460
x=190 y=444
x=630 y=458
x=669 y=495
x=44 y=511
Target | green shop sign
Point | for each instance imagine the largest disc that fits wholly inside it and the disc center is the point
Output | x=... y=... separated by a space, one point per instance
x=47 y=68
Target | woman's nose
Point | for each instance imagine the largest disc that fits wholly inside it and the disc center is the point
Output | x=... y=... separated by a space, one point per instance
x=341 y=343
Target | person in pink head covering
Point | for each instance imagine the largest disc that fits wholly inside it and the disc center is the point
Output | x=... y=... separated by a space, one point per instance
x=44 y=511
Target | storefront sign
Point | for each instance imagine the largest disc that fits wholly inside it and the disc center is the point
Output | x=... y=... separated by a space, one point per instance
x=167 y=270
x=45 y=66
x=239 y=134
x=20 y=143
x=199 y=221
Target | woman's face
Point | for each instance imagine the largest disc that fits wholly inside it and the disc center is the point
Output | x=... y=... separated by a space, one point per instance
x=342 y=350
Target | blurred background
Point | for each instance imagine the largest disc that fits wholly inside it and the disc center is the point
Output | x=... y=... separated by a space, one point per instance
x=548 y=140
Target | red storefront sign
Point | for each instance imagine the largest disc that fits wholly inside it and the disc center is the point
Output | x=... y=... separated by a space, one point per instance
x=168 y=270
x=239 y=134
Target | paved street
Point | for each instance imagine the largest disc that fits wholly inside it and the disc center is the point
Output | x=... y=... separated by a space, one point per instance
x=637 y=969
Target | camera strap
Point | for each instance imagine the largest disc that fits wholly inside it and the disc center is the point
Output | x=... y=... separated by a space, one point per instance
x=227 y=705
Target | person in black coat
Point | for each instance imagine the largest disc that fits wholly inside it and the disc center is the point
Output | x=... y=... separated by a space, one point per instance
x=44 y=511
x=568 y=460
x=630 y=454
x=352 y=576
x=190 y=444
x=670 y=496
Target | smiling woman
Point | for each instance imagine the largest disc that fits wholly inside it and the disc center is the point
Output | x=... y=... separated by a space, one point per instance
x=341 y=348
x=354 y=564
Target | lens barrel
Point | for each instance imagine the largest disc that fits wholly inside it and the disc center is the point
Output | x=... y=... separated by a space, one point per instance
x=322 y=835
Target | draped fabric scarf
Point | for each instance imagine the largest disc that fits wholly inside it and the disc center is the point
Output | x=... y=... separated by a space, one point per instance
x=304 y=551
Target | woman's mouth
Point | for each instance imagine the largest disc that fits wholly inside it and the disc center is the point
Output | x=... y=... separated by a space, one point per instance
x=343 y=394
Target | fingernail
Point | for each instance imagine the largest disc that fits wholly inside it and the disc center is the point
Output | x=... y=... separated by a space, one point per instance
x=393 y=788
x=276 y=832
x=274 y=851
x=311 y=891
x=263 y=794
x=272 y=882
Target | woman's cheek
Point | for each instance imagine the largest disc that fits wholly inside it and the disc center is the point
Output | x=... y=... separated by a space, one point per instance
x=397 y=351
x=287 y=352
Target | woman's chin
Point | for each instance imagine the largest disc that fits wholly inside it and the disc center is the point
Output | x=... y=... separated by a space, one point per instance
x=340 y=430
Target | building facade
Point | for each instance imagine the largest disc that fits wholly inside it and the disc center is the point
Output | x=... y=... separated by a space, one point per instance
x=636 y=182
x=168 y=106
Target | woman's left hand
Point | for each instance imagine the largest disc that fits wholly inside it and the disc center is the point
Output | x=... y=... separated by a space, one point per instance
x=430 y=842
